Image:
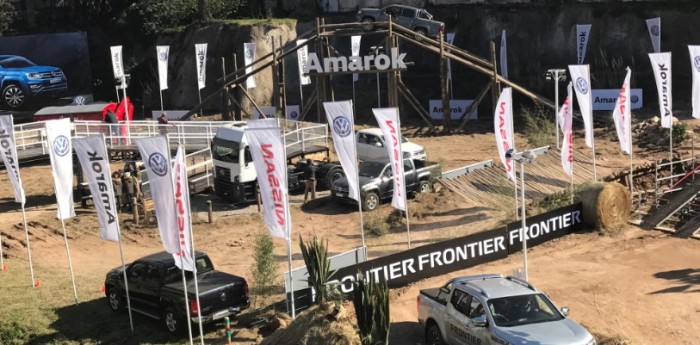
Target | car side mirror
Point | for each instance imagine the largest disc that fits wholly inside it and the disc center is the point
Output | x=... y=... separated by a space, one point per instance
x=565 y=311
x=480 y=321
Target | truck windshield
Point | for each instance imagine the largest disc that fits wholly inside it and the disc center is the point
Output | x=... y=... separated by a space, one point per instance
x=522 y=310
x=371 y=169
x=224 y=150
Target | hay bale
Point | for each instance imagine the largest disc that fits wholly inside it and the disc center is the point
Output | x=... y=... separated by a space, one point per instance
x=606 y=206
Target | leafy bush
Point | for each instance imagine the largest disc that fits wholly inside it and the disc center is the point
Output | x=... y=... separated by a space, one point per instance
x=375 y=224
x=371 y=301
x=318 y=265
x=680 y=133
x=539 y=126
x=265 y=270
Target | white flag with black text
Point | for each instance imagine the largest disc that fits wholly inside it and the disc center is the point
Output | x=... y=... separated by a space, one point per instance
x=302 y=57
x=269 y=158
x=355 y=51
x=156 y=157
x=583 y=33
x=117 y=61
x=94 y=160
x=341 y=119
x=8 y=152
x=58 y=133
x=201 y=55
x=450 y=38
x=388 y=119
x=661 y=64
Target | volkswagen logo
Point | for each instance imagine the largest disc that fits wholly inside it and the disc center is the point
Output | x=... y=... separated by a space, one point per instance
x=341 y=125
x=634 y=99
x=61 y=145
x=294 y=115
x=655 y=30
x=163 y=56
x=582 y=85
x=158 y=164
x=79 y=100
x=223 y=297
x=696 y=62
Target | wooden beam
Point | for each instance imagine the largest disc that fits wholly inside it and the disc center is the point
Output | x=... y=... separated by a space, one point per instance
x=472 y=107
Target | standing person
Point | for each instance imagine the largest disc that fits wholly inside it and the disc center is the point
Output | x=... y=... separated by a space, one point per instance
x=128 y=189
x=113 y=122
x=117 y=187
x=163 y=123
x=310 y=180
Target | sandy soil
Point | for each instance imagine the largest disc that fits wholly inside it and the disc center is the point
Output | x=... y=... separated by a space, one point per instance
x=639 y=284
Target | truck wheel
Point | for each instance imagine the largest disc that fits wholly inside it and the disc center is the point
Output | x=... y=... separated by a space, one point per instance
x=172 y=322
x=420 y=34
x=425 y=186
x=115 y=300
x=13 y=96
x=433 y=336
x=370 y=202
x=367 y=24
x=333 y=175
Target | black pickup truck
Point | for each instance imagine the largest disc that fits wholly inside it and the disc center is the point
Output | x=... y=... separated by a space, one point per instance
x=377 y=184
x=156 y=290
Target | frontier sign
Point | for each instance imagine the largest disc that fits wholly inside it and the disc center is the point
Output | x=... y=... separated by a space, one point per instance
x=354 y=64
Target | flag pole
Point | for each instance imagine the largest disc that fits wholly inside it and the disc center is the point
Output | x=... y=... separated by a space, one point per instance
x=670 y=144
x=595 y=175
x=29 y=250
x=126 y=282
x=359 y=195
x=194 y=263
x=161 y=101
x=187 y=303
x=65 y=239
x=289 y=230
x=408 y=224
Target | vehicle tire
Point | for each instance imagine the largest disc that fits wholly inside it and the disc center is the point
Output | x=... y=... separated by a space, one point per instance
x=367 y=24
x=13 y=96
x=172 y=321
x=333 y=175
x=116 y=302
x=370 y=201
x=433 y=335
x=420 y=34
x=424 y=186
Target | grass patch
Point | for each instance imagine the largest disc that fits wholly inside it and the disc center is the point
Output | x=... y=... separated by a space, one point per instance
x=539 y=126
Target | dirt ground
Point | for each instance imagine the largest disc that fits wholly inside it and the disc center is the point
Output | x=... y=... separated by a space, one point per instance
x=642 y=285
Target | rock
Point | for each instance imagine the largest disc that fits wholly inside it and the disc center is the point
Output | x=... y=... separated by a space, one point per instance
x=655 y=120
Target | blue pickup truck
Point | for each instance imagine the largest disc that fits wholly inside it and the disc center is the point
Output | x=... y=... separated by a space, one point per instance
x=22 y=79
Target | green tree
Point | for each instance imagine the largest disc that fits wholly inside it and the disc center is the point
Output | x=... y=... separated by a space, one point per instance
x=265 y=270
x=6 y=16
x=204 y=13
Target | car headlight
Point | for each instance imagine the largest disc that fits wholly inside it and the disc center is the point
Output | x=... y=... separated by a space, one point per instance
x=33 y=76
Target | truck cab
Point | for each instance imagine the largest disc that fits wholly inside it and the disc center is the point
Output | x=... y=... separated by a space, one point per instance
x=371 y=146
x=234 y=172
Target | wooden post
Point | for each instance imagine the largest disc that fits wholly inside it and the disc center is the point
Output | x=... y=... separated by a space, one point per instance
x=225 y=103
x=236 y=93
x=495 y=86
x=210 y=215
x=275 y=78
x=443 y=87
x=282 y=86
x=135 y=210
x=257 y=197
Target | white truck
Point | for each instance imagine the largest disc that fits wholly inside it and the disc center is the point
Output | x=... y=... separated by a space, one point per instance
x=491 y=309
x=235 y=177
x=371 y=146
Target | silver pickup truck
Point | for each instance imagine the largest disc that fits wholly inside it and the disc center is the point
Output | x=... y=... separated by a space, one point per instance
x=493 y=309
x=415 y=19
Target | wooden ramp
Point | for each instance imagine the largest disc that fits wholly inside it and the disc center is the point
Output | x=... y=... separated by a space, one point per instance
x=676 y=202
x=491 y=187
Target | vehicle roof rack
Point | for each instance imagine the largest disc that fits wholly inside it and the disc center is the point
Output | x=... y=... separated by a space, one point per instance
x=521 y=282
x=474 y=286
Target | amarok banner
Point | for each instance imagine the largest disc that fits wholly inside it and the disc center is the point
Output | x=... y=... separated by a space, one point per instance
x=201 y=55
x=340 y=118
x=58 y=133
x=267 y=149
x=503 y=127
x=156 y=156
x=583 y=33
x=8 y=152
x=661 y=64
x=93 y=157
x=388 y=119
